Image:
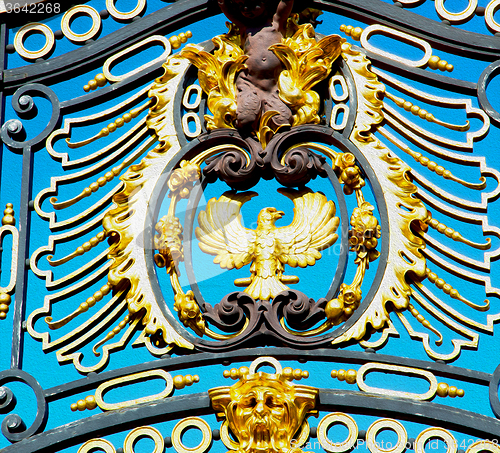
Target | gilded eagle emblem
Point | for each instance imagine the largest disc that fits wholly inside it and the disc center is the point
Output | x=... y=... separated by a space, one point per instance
x=268 y=247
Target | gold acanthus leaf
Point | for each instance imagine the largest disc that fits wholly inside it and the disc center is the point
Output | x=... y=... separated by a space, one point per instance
x=217 y=74
x=161 y=114
x=306 y=62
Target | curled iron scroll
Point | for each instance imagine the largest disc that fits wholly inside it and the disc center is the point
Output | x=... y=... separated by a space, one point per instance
x=487 y=75
x=13 y=427
x=25 y=107
x=493 y=392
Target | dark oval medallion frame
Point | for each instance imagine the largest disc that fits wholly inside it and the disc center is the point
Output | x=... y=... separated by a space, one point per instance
x=263 y=320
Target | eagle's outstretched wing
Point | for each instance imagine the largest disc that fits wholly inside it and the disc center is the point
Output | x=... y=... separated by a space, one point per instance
x=313 y=228
x=221 y=233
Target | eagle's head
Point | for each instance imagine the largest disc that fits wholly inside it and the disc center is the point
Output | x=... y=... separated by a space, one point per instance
x=268 y=216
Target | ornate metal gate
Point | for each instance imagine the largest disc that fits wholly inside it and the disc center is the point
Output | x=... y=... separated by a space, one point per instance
x=268 y=192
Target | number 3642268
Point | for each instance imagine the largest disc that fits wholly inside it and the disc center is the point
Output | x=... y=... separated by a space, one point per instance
x=33 y=8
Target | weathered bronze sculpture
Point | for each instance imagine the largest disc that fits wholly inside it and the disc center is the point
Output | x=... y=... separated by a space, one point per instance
x=260 y=26
x=261 y=74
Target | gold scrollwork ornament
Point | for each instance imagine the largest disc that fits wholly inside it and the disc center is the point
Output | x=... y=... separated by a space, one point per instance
x=365 y=230
x=217 y=71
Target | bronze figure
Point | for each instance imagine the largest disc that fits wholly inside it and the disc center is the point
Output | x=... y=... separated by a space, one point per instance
x=261 y=25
